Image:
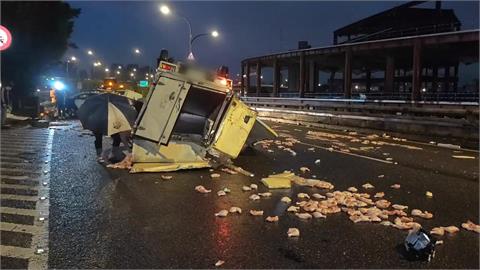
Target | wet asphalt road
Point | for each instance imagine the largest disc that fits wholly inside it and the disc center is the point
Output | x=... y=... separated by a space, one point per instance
x=106 y=218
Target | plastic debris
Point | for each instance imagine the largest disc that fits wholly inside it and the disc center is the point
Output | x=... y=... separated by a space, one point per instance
x=429 y=194
x=293 y=232
x=419 y=245
x=286 y=200
x=470 y=226
x=222 y=213
x=367 y=186
x=39 y=251
x=272 y=219
x=256 y=212
x=254 y=197
x=235 y=209
x=202 y=189
x=219 y=263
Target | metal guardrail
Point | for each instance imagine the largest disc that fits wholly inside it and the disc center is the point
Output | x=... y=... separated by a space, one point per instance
x=440 y=109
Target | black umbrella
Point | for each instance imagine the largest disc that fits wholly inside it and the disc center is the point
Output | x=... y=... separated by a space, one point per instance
x=107 y=114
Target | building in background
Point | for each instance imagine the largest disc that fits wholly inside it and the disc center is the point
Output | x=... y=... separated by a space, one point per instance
x=405 y=53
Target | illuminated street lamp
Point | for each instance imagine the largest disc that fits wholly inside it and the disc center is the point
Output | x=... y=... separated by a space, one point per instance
x=137 y=51
x=107 y=70
x=90 y=52
x=165 y=10
x=73 y=59
x=118 y=72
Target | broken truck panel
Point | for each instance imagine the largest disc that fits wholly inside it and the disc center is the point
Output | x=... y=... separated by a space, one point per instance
x=260 y=131
x=234 y=128
x=168 y=167
x=161 y=110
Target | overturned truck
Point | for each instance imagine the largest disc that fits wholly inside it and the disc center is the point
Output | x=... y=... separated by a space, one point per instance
x=192 y=119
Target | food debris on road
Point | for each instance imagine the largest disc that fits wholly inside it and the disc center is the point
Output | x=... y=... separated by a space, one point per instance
x=215 y=175
x=235 y=209
x=219 y=263
x=419 y=213
x=367 y=186
x=272 y=219
x=352 y=189
x=429 y=194
x=166 y=177
x=202 y=189
x=221 y=213
x=470 y=226
x=293 y=232
x=256 y=212
x=395 y=186
x=254 y=197
x=246 y=188
x=286 y=200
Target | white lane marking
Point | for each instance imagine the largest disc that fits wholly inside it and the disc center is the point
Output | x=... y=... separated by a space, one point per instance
x=40 y=240
x=20 y=211
x=19 y=197
x=22 y=187
x=17 y=177
x=19 y=170
x=17 y=252
x=346 y=153
x=21 y=228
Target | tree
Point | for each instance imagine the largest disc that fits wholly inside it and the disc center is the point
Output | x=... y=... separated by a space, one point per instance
x=40 y=37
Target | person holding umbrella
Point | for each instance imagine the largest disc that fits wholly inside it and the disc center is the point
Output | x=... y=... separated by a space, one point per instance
x=111 y=115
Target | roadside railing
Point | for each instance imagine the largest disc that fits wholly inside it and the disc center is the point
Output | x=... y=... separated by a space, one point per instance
x=399 y=108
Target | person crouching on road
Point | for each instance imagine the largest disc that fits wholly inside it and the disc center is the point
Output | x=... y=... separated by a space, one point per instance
x=116 y=153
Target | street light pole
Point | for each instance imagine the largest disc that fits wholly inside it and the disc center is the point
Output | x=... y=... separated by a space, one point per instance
x=166 y=11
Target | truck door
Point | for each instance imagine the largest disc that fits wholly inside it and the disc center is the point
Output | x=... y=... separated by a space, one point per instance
x=234 y=128
x=161 y=110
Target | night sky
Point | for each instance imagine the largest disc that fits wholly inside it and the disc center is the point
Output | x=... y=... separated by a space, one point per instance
x=113 y=28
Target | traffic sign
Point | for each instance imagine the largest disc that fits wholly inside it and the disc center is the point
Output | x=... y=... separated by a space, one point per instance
x=143 y=83
x=5 y=38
